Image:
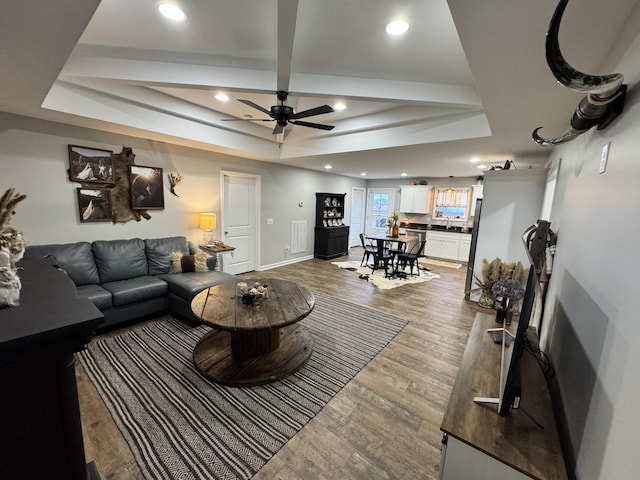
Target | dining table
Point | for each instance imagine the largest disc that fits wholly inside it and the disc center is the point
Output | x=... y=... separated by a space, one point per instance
x=403 y=242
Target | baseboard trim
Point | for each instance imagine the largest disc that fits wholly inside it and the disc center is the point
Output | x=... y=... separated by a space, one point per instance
x=286 y=262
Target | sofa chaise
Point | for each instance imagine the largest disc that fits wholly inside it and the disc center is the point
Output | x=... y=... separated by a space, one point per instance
x=128 y=279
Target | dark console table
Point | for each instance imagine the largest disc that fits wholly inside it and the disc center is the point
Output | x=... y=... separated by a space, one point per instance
x=41 y=434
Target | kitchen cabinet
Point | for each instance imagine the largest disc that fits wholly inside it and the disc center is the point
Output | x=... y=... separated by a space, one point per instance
x=465 y=247
x=448 y=245
x=442 y=245
x=414 y=199
x=331 y=235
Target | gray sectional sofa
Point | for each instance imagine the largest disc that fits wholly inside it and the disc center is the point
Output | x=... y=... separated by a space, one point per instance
x=128 y=279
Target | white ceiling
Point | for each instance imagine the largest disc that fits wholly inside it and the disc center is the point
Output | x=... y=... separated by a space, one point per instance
x=468 y=79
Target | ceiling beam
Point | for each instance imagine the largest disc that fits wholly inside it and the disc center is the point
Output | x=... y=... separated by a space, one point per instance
x=383 y=90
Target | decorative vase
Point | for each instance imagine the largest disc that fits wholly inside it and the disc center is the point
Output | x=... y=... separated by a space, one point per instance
x=394 y=230
x=504 y=312
x=486 y=300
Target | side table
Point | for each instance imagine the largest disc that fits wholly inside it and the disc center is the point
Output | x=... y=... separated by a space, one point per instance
x=219 y=251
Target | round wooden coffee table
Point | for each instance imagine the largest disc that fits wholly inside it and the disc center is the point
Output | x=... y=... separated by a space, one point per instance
x=257 y=343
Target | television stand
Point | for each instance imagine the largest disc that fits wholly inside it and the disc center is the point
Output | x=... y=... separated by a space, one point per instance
x=506 y=334
x=480 y=444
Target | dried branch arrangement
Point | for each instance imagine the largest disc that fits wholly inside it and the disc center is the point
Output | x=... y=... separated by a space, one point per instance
x=11 y=250
x=498 y=270
x=10 y=238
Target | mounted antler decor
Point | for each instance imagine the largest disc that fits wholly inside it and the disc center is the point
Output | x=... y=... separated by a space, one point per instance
x=174 y=180
x=605 y=93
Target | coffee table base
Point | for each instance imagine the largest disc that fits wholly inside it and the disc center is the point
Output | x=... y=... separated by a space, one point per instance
x=213 y=358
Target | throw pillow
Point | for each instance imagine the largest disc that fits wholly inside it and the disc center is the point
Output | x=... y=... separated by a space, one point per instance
x=188 y=263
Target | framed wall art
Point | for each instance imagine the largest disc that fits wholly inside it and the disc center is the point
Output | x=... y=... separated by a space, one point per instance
x=147 y=191
x=94 y=204
x=93 y=165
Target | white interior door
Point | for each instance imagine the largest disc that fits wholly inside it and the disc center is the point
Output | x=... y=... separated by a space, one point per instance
x=380 y=206
x=356 y=225
x=240 y=211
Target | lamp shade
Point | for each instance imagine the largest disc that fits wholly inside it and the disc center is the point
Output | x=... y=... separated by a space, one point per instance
x=207 y=221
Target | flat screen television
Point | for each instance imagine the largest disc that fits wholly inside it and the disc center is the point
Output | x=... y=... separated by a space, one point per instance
x=510 y=385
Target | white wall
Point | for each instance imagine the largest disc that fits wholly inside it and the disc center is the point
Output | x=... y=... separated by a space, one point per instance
x=34 y=160
x=512 y=200
x=591 y=327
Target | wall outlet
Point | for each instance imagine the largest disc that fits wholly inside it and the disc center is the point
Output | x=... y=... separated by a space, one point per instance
x=603 y=158
x=269 y=221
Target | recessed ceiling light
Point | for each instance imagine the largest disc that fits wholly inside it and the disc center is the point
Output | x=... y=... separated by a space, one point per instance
x=328 y=167
x=403 y=174
x=172 y=11
x=339 y=106
x=474 y=160
x=363 y=174
x=397 y=27
x=482 y=167
x=222 y=97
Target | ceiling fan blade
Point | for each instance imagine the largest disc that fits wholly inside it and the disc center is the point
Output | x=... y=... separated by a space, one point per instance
x=311 y=112
x=247 y=119
x=278 y=129
x=255 y=105
x=321 y=126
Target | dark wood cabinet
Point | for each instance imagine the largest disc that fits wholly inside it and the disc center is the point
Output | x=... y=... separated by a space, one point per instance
x=331 y=234
x=39 y=412
x=331 y=242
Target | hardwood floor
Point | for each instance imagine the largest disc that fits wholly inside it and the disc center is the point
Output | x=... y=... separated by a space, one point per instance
x=385 y=423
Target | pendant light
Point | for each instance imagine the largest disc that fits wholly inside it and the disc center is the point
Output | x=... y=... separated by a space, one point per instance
x=449 y=193
x=450 y=190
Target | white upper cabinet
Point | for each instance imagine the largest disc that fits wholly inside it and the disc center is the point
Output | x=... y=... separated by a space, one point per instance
x=414 y=199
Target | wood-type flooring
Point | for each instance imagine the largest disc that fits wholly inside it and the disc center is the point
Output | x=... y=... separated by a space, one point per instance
x=385 y=423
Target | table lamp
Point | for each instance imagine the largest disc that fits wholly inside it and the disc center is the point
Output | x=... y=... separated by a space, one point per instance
x=207 y=222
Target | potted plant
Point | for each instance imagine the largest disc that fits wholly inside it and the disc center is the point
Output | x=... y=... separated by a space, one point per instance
x=508 y=290
x=491 y=273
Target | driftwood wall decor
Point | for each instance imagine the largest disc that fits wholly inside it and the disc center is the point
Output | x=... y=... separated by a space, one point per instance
x=120 y=189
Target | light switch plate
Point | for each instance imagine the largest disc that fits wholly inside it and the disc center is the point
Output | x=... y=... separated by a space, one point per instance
x=269 y=221
x=603 y=158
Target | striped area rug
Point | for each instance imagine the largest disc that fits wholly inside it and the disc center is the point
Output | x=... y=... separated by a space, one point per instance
x=182 y=426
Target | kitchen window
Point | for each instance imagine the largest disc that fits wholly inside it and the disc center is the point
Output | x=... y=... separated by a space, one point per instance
x=451 y=203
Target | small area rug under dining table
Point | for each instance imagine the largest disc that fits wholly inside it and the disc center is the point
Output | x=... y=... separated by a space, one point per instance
x=381 y=280
x=180 y=425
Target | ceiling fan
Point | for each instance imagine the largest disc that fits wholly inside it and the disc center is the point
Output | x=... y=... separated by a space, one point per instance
x=284 y=114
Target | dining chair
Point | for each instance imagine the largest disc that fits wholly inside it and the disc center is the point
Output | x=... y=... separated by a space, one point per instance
x=411 y=257
x=400 y=247
x=382 y=258
x=369 y=248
